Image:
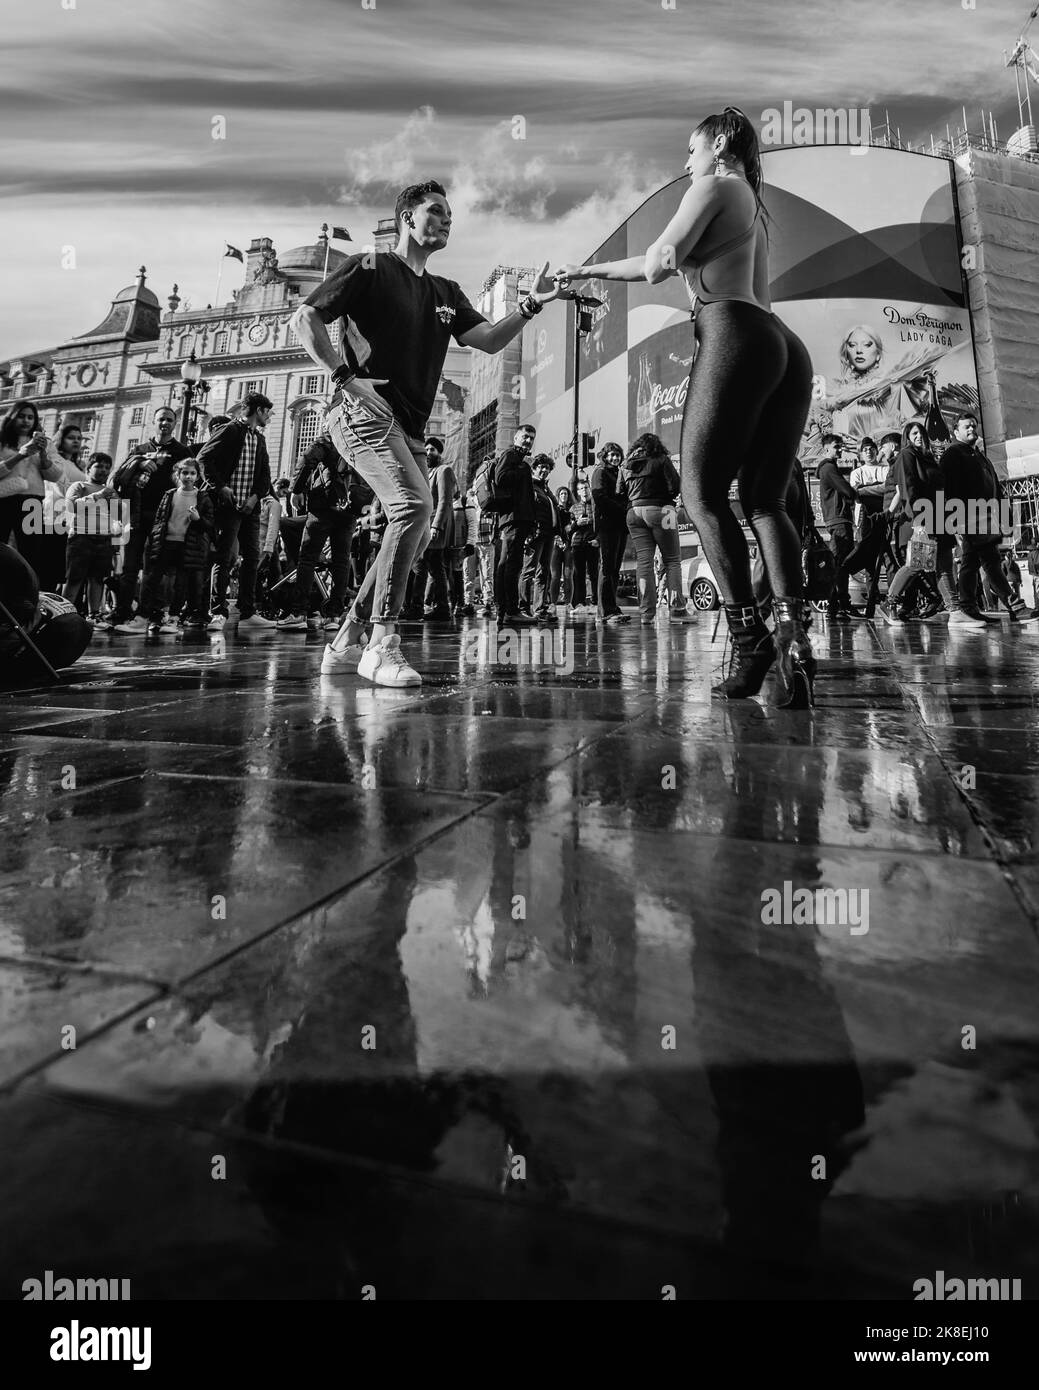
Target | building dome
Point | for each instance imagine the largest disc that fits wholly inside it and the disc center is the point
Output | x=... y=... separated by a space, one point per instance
x=141 y=292
x=133 y=314
x=310 y=258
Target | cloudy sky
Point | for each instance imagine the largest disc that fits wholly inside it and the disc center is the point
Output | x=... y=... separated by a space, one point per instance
x=109 y=106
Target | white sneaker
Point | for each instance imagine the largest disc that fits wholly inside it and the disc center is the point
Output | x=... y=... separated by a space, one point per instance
x=384 y=664
x=964 y=620
x=135 y=627
x=169 y=626
x=295 y=623
x=255 y=623
x=343 y=662
x=217 y=623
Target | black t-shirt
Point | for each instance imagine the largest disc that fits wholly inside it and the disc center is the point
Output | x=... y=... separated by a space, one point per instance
x=400 y=327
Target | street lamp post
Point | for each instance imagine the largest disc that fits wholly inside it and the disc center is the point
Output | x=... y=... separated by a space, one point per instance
x=583 y=306
x=190 y=375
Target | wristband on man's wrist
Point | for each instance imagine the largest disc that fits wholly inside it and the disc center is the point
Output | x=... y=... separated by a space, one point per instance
x=342 y=376
x=530 y=306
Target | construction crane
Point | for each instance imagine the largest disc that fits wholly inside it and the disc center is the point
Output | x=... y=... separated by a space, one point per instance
x=1025 y=62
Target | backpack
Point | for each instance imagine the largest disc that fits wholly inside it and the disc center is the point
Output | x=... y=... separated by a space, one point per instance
x=489 y=492
x=820 y=566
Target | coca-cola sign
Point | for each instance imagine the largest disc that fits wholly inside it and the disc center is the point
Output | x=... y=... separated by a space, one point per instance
x=658 y=382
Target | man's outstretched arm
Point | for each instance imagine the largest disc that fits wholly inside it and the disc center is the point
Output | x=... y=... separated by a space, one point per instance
x=492 y=337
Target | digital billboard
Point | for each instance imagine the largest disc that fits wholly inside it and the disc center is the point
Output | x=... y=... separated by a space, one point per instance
x=864 y=263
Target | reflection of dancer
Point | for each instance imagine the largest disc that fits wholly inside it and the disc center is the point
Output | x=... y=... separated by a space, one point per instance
x=776 y=1048
x=748 y=398
x=870 y=398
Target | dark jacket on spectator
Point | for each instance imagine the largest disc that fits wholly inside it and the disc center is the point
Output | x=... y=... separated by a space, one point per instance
x=323 y=480
x=220 y=453
x=144 y=501
x=968 y=475
x=546 y=512
x=512 y=474
x=198 y=535
x=919 y=478
x=836 y=495
x=611 y=510
x=442 y=486
x=582 y=521
x=649 y=482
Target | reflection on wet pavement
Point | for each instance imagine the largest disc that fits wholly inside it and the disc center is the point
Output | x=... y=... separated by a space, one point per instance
x=474 y=989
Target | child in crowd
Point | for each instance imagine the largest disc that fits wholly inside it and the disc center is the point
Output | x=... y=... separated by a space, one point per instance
x=90 y=514
x=178 y=545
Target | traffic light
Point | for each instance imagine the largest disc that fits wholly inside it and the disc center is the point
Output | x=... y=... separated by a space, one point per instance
x=587 y=450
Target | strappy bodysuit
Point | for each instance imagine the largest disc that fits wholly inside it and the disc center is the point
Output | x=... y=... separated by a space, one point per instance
x=692 y=273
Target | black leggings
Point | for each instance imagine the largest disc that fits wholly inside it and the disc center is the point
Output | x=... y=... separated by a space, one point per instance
x=749 y=394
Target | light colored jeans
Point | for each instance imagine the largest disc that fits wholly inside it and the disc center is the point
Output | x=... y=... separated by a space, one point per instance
x=394 y=467
x=470 y=565
x=485 y=556
x=649 y=532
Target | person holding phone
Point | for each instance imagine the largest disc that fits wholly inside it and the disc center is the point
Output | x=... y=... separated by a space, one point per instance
x=28 y=460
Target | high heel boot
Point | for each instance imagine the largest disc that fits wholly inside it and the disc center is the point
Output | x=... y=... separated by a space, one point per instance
x=795 y=664
x=753 y=653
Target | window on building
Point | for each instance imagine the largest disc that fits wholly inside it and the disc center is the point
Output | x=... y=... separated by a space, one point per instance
x=134 y=444
x=137 y=415
x=333 y=332
x=307 y=431
x=220 y=344
x=313 y=385
x=244 y=387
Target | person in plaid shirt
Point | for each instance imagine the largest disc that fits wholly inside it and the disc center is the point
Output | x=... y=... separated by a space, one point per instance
x=237 y=470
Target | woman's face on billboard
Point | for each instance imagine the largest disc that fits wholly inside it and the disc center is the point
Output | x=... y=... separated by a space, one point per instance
x=862 y=350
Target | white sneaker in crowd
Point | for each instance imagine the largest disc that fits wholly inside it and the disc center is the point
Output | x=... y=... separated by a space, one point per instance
x=384 y=664
x=169 y=626
x=344 y=662
x=134 y=627
x=958 y=618
x=296 y=622
x=255 y=623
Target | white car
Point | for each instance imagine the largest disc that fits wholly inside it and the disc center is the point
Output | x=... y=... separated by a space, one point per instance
x=698 y=582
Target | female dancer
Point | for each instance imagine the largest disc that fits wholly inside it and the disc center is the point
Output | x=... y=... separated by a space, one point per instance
x=749 y=394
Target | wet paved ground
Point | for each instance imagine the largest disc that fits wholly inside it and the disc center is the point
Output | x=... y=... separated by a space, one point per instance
x=543 y=892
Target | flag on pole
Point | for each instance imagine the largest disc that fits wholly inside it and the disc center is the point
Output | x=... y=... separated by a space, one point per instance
x=341 y=234
x=233 y=251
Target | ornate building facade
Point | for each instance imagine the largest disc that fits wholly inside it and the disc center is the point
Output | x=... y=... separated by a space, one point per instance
x=110 y=380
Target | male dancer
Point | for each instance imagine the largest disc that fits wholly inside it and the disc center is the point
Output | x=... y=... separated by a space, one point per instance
x=400 y=320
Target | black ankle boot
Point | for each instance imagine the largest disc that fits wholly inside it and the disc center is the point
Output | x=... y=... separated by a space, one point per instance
x=795 y=664
x=753 y=652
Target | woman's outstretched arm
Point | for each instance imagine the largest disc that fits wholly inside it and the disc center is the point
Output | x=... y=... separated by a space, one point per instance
x=695 y=213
